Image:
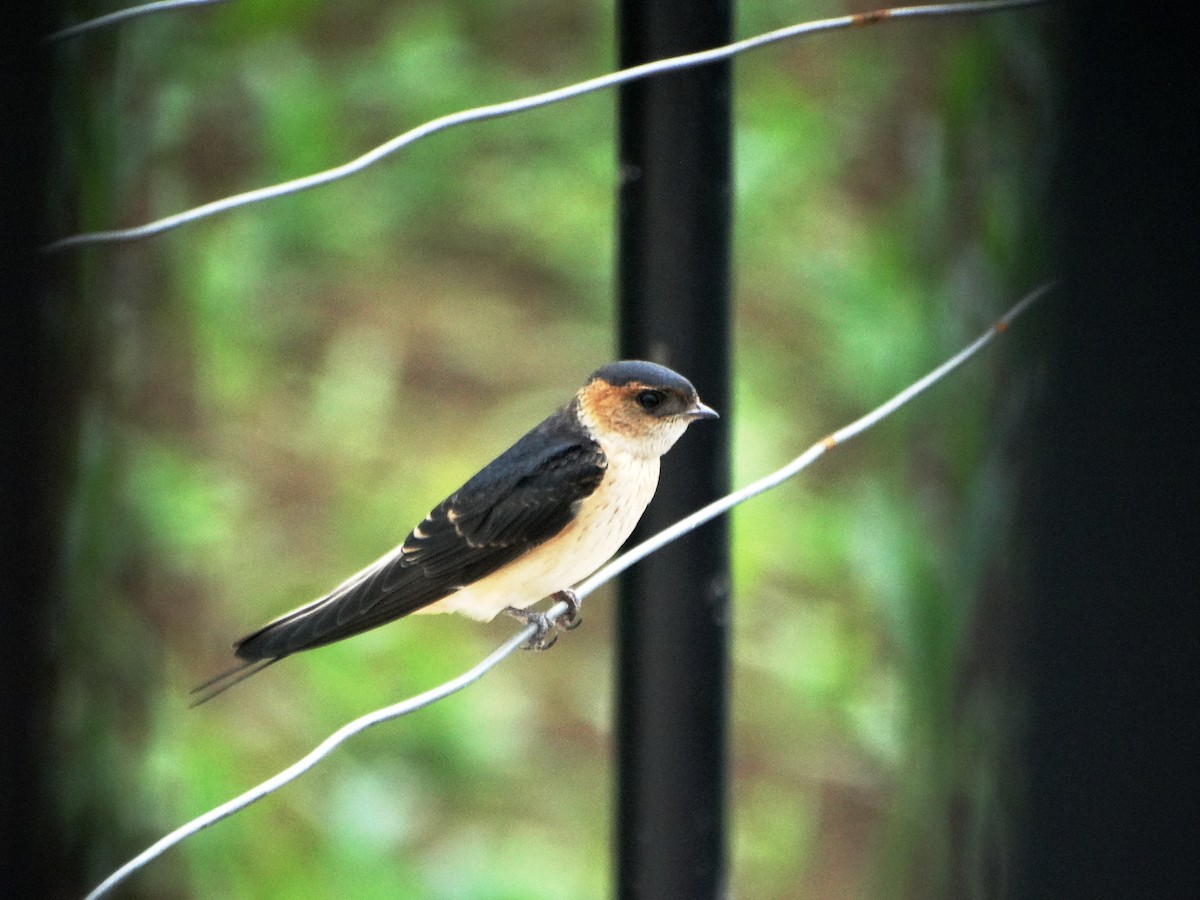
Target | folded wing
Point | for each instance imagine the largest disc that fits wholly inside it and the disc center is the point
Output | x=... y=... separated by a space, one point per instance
x=521 y=499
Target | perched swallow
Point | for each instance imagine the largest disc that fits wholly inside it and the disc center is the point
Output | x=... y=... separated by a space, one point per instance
x=543 y=515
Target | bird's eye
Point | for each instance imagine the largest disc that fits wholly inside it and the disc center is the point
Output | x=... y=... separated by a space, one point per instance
x=649 y=400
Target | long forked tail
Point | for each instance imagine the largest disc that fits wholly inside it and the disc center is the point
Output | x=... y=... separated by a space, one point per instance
x=227 y=679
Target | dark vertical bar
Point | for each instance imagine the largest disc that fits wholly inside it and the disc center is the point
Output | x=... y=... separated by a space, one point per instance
x=35 y=857
x=1114 y=686
x=673 y=258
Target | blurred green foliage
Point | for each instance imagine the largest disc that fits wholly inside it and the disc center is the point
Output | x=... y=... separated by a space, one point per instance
x=275 y=396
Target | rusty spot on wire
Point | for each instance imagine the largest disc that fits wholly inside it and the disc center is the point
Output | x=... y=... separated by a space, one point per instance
x=869 y=18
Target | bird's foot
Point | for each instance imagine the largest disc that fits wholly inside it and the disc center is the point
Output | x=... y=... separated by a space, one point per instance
x=547 y=631
x=572 y=618
x=545 y=635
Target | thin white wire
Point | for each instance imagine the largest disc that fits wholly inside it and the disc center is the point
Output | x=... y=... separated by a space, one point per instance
x=801 y=462
x=122 y=15
x=620 y=564
x=315 y=756
x=496 y=110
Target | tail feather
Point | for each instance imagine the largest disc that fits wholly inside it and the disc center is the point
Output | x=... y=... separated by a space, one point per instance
x=227 y=679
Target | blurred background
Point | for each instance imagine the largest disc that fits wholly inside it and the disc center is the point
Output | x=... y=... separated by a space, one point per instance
x=266 y=401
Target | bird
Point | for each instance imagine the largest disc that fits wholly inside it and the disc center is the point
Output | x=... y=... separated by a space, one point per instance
x=540 y=517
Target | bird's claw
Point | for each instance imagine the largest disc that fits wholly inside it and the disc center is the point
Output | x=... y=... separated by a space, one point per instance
x=547 y=631
x=572 y=618
x=544 y=636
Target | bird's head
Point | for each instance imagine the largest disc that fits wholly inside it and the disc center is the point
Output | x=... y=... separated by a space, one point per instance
x=641 y=406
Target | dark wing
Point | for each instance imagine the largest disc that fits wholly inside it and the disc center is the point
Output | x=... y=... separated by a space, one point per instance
x=522 y=498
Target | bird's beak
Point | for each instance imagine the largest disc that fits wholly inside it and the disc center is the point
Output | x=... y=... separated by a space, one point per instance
x=700 y=411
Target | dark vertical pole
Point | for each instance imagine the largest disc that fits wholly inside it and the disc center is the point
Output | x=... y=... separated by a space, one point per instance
x=673 y=258
x=35 y=859
x=1114 y=562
